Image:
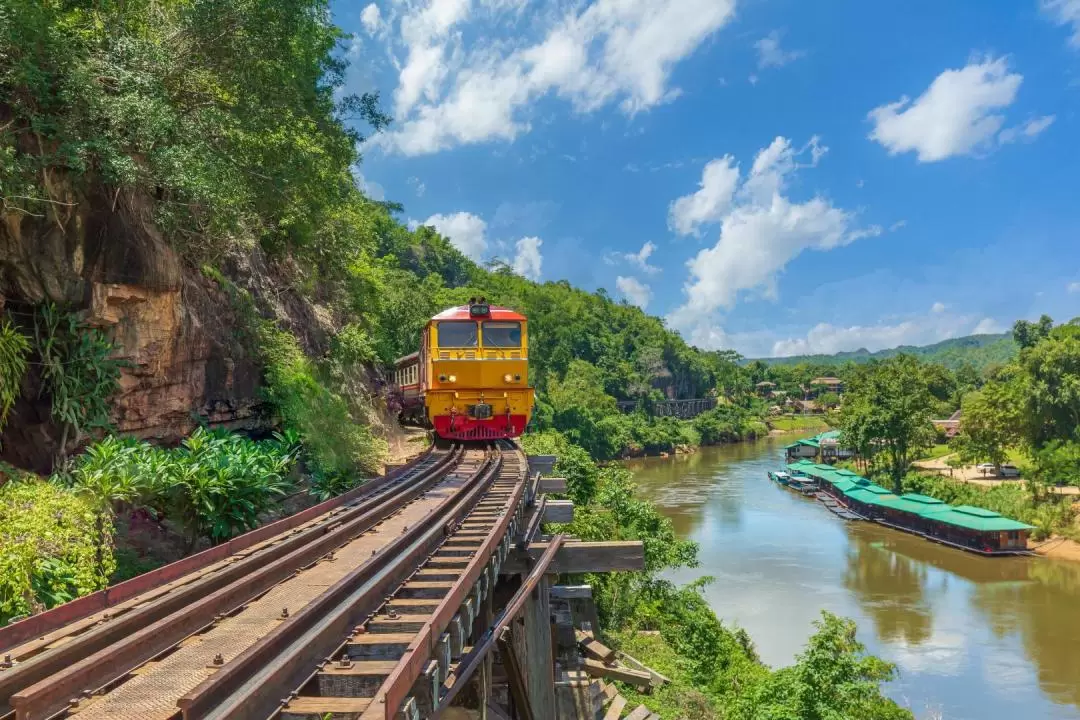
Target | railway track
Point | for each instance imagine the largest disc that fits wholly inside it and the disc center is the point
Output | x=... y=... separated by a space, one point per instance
x=136 y=659
x=389 y=644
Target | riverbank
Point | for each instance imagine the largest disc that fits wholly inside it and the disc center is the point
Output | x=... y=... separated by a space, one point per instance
x=972 y=637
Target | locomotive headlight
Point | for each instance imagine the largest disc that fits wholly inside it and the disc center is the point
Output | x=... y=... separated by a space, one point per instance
x=508 y=378
x=452 y=378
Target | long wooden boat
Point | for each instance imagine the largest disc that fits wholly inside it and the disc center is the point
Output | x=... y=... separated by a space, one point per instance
x=799 y=484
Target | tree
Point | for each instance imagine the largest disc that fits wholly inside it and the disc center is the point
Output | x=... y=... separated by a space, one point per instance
x=887 y=409
x=1028 y=334
x=1051 y=377
x=991 y=421
x=831 y=680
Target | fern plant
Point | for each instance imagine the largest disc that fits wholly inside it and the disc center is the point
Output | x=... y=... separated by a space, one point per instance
x=14 y=347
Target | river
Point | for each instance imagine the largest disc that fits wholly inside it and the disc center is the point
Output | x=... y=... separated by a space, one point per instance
x=973 y=638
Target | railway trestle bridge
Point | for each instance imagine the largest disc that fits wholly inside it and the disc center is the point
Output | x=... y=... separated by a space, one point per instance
x=424 y=593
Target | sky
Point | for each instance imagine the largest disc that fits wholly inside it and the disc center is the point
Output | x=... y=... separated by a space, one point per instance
x=771 y=176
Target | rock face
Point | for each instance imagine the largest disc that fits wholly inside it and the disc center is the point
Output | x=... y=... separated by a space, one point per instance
x=103 y=256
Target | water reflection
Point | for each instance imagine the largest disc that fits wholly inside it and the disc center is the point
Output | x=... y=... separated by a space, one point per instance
x=890 y=589
x=974 y=637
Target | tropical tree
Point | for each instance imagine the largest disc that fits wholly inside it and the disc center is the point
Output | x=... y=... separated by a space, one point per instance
x=991 y=422
x=886 y=413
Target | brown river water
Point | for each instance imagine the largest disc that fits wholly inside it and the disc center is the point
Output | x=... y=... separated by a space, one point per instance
x=974 y=638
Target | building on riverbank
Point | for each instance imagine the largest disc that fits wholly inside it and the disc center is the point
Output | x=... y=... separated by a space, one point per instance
x=964 y=526
x=823 y=447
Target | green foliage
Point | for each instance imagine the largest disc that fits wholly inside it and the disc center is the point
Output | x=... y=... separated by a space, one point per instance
x=991 y=423
x=1050 y=374
x=337 y=445
x=54 y=545
x=728 y=423
x=886 y=413
x=224 y=111
x=832 y=679
x=78 y=371
x=14 y=347
x=216 y=484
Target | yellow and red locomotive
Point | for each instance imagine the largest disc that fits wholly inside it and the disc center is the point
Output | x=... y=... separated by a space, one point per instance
x=470 y=378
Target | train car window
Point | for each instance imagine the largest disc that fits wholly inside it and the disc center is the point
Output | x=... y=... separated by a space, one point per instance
x=502 y=334
x=457 y=334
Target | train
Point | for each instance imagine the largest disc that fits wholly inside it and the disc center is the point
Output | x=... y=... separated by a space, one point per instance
x=470 y=378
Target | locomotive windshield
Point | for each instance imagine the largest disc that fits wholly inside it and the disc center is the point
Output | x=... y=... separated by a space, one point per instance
x=502 y=334
x=457 y=334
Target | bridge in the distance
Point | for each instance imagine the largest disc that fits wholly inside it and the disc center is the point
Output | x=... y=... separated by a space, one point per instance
x=683 y=409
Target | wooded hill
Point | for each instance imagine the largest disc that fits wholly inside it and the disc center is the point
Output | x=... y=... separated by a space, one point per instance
x=979 y=351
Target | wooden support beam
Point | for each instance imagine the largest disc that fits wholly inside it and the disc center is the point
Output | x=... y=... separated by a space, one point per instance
x=559 y=511
x=617 y=672
x=581 y=557
x=514 y=676
x=551 y=485
x=615 y=708
x=639 y=713
x=595 y=648
x=542 y=463
x=540 y=663
x=571 y=592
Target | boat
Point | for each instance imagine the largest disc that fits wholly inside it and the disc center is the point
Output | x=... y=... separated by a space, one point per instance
x=779 y=477
x=798 y=483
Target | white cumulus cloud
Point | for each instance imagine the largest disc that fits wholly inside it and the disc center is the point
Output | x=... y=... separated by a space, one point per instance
x=466 y=232
x=770 y=54
x=711 y=202
x=1073 y=287
x=957 y=115
x=1065 y=12
x=938 y=307
x=635 y=291
x=640 y=259
x=761 y=231
x=454 y=92
x=371 y=18
x=528 y=260
x=825 y=338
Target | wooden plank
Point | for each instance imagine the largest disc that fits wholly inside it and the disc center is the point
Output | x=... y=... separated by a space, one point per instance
x=610 y=691
x=615 y=709
x=617 y=672
x=657 y=678
x=558 y=511
x=551 y=485
x=594 y=647
x=639 y=713
x=540 y=663
x=514 y=677
x=571 y=592
x=542 y=463
x=581 y=557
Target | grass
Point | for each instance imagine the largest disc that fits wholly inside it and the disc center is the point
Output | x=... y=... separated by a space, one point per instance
x=679 y=699
x=936 y=451
x=798 y=423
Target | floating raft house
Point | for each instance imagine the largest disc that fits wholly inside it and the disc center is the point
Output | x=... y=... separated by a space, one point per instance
x=965 y=526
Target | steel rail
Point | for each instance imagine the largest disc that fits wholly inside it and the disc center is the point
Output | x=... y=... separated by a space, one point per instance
x=396 y=688
x=470 y=662
x=251 y=685
x=43 y=626
x=89 y=661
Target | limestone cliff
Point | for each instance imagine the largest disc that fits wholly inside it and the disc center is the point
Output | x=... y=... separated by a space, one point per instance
x=102 y=255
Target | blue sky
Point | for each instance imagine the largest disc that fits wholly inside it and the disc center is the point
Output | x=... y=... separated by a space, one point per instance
x=771 y=176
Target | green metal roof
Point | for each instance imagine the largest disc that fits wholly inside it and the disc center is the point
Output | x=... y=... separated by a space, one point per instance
x=973 y=518
x=866 y=495
x=845 y=485
x=925 y=499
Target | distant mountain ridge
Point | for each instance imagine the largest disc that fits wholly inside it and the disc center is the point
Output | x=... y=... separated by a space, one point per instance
x=977 y=350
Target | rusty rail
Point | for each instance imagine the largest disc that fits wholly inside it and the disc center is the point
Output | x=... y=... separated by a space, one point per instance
x=471 y=662
x=51 y=620
x=41 y=685
x=252 y=684
x=397 y=686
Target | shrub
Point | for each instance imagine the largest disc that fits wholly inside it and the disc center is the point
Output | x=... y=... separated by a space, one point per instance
x=55 y=545
x=14 y=348
x=338 y=446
